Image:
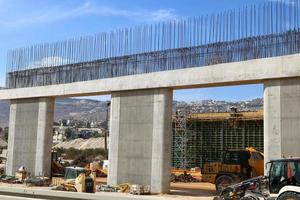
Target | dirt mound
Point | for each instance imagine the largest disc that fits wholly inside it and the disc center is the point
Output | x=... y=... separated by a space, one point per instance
x=92 y=143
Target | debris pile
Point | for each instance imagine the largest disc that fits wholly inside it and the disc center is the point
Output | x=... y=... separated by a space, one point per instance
x=9 y=179
x=125 y=188
x=37 y=181
x=23 y=177
x=106 y=188
x=140 y=189
x=20 y=176
x=186 y=178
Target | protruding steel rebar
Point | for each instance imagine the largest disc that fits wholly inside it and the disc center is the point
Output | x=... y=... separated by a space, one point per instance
x=271 y=29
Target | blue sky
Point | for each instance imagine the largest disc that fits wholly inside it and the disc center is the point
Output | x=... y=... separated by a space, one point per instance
x=26 y=22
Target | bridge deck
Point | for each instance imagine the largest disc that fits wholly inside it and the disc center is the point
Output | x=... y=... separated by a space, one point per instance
x=236 y=73
x=224 y=52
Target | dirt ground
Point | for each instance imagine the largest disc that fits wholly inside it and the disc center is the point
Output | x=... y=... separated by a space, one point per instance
x=179 y=191
x=182 y=191
x=193 y=189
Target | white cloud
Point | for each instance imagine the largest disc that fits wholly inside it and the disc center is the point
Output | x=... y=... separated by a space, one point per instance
x=59 y=13
x=148 y=15
x=49 y=61
x=165 y=14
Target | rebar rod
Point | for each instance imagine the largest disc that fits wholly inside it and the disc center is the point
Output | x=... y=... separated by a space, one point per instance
x=267 y=30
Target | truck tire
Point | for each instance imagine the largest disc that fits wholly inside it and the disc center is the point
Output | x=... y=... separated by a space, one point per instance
x=289 y=196
x=223 y=181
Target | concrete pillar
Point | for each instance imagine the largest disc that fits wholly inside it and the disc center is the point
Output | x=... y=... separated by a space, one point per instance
x=30 y=136
x=140 y=138
x=282 y=118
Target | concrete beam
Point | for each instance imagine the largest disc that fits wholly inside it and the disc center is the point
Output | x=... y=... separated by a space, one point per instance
x=281 y=118
x=237 y=73
x=30 y=136
x=140 y=138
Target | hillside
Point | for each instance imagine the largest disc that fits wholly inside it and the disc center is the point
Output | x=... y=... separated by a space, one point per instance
x=86 y=109
x=205 y=106
x=80 y=109
x=4 y=113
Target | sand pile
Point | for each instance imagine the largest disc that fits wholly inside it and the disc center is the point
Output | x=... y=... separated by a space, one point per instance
x=92 y=143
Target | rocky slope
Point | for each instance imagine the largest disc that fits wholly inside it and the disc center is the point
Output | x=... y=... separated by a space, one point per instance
x=86 y=109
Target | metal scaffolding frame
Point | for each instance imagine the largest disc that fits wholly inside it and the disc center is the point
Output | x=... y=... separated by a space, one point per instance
x=197 y=141
x=180 y=139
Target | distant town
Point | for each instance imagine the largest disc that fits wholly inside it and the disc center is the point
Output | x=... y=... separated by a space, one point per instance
x=85 y=118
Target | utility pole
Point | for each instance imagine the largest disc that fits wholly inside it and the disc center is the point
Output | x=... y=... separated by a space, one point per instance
x=106 y=125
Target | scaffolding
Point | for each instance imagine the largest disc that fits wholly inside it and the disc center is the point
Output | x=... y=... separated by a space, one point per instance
x=201 y=138
x=179 y=139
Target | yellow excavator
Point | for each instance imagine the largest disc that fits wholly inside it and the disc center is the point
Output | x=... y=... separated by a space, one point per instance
x=236 y=166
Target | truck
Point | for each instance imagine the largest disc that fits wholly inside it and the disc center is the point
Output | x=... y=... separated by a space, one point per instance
x=236 y=165
x=282 y=182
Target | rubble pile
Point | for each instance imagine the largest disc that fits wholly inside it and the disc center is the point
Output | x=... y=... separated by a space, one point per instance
x=9 y=179
x=185 y=178
x=125 y=188
x=106 y=188
x=37 y=181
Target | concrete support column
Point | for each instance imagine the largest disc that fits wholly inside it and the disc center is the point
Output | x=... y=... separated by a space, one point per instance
x=30 y=136
x=281 y=118
x=140 y=138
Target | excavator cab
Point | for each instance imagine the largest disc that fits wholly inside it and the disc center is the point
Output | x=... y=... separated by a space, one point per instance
x=57 y=169
x=79 y=179
x=281 y=183
x=283 y=172
x=73 y=172
x=236 y=161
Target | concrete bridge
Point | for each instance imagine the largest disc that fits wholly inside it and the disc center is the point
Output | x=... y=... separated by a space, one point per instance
x=141 y=86
x=141 y=109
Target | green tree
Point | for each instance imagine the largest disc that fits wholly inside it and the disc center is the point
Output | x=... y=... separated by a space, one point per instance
x=68 y=133
x=88 y=124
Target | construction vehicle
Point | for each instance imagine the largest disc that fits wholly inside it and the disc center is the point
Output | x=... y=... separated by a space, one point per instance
x=57 y=169
x=236 y=166
x=78 y=179
x=97 y=168
x=281 y=183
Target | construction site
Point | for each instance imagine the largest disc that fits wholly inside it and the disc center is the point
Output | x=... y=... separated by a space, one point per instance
x=197 y=141
x=152 y=149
